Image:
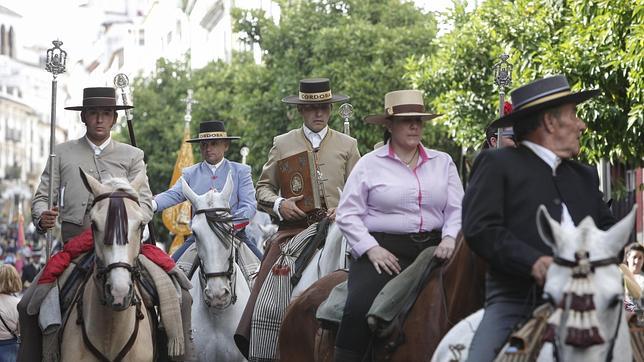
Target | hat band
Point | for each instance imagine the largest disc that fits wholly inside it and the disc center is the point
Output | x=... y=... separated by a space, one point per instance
x=545 y=99
x=320 y=96
x=213 y=135
x=99 y=101
x=405 y=108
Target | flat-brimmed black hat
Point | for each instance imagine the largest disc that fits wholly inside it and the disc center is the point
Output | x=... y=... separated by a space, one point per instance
x=99 y=97
x=539 y=95
x=315 y=91
x=212 y=130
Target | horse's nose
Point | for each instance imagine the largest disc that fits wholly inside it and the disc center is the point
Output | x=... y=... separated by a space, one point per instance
x=223 y=294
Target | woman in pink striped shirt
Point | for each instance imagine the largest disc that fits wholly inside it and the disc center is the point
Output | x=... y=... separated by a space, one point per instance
x=399 y=200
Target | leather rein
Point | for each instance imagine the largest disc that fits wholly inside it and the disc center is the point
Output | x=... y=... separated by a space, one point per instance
x=220 y=221
x=101 y=273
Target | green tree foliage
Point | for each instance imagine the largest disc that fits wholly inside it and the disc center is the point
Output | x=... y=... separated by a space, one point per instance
x=361 y=45
x=597 y=44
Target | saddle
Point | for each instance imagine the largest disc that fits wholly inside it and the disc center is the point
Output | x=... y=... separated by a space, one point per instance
x=391 y=307
x=524 y=344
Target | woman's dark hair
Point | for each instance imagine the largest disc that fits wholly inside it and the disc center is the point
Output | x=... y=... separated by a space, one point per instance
x=386 y=136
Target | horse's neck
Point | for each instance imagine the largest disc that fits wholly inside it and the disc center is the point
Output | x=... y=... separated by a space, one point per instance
x=107 y=329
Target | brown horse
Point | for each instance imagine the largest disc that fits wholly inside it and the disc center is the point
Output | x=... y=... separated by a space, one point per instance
x=452 y=292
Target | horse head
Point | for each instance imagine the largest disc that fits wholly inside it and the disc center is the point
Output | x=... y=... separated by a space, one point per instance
x=585 y=286
x=212 y=227
x=117 y=224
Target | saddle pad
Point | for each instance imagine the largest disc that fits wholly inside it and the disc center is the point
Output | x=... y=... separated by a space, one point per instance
x=330 y=312
x=399 y=292
x=246 y=259
x=273 y=298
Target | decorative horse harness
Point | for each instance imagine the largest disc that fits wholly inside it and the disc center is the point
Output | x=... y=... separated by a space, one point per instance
x=116 y=227
x=578 y=298
x=220 y=221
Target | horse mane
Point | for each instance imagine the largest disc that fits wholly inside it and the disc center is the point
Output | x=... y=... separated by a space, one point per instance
x=120 y=184
x=117 y=221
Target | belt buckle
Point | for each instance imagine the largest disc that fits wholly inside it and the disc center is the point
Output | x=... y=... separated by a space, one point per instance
x=421 y=237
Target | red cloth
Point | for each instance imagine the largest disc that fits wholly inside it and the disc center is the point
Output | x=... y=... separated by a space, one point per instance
x=77 y=245
x=158 y=257
x=507 y=108
x=241 y=225
x=85 y=242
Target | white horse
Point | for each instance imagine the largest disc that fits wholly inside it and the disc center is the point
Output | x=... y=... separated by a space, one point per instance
x=331 y=257
x=108 y=320
x=584 y=250
x=222 y=294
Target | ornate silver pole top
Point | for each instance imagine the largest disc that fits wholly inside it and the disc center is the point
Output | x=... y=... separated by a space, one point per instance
x=189 y=101
x=244 y=151
x=121 y=81
x=503 y=72
x=346 y=111
x=56 y=59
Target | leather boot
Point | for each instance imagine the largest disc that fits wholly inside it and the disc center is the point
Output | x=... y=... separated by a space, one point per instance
x=346 y=355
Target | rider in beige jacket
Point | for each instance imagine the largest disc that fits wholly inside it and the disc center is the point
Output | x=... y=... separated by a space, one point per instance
x=108 y=159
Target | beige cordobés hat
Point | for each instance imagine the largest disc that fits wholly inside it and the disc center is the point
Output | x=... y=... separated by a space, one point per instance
x=402 y=103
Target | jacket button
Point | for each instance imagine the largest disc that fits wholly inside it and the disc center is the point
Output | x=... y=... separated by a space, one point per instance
x=557 y=201
x=84 y=203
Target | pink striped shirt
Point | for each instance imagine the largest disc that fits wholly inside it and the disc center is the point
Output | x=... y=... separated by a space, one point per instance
x=382 y=194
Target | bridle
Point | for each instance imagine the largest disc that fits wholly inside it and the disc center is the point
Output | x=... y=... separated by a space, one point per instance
x=116 y=232
x=220 y=221
x=116 y=214
x=582 y=267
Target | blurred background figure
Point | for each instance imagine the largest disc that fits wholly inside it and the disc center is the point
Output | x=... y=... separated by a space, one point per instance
x=32 y=267
x=10 y=287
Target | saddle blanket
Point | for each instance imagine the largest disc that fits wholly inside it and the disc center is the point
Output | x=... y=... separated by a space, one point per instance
x=246 y=260
x=274 y=297
x=400 y=291
x=83 y=243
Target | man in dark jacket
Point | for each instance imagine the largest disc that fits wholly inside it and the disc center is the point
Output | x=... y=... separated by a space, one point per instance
x=506 y=188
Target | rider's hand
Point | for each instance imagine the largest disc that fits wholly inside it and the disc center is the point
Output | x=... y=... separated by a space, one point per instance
x=382 y=259
x=48 y=218
x=330 y=213
x=290 y=211
x=445 y=249
x=540 y=269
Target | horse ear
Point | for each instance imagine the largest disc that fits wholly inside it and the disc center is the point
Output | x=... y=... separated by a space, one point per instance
x=140 y=180
x=228 y=187
x=618 y=235
x=91 y=183
x=547 y=227
x=187 y=192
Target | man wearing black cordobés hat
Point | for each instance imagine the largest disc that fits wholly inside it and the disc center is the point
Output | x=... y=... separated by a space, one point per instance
x=506 y=188
x=99 y=156
x=211 y=173
x=335 y=153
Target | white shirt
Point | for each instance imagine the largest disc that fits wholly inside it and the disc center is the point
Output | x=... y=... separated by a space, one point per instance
x=315 y=138
x=99 y=149
x=214 y=168
x=553 y=161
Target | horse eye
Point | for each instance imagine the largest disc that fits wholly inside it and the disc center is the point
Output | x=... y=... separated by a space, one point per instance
x=618 y=299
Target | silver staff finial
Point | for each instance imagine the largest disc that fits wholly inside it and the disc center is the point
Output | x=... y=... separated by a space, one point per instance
x=189 y=101
x=56 y=59
x=121 y=81
x=503 y=79
x=346 y=111
x=244 y=151
x=503 y=72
